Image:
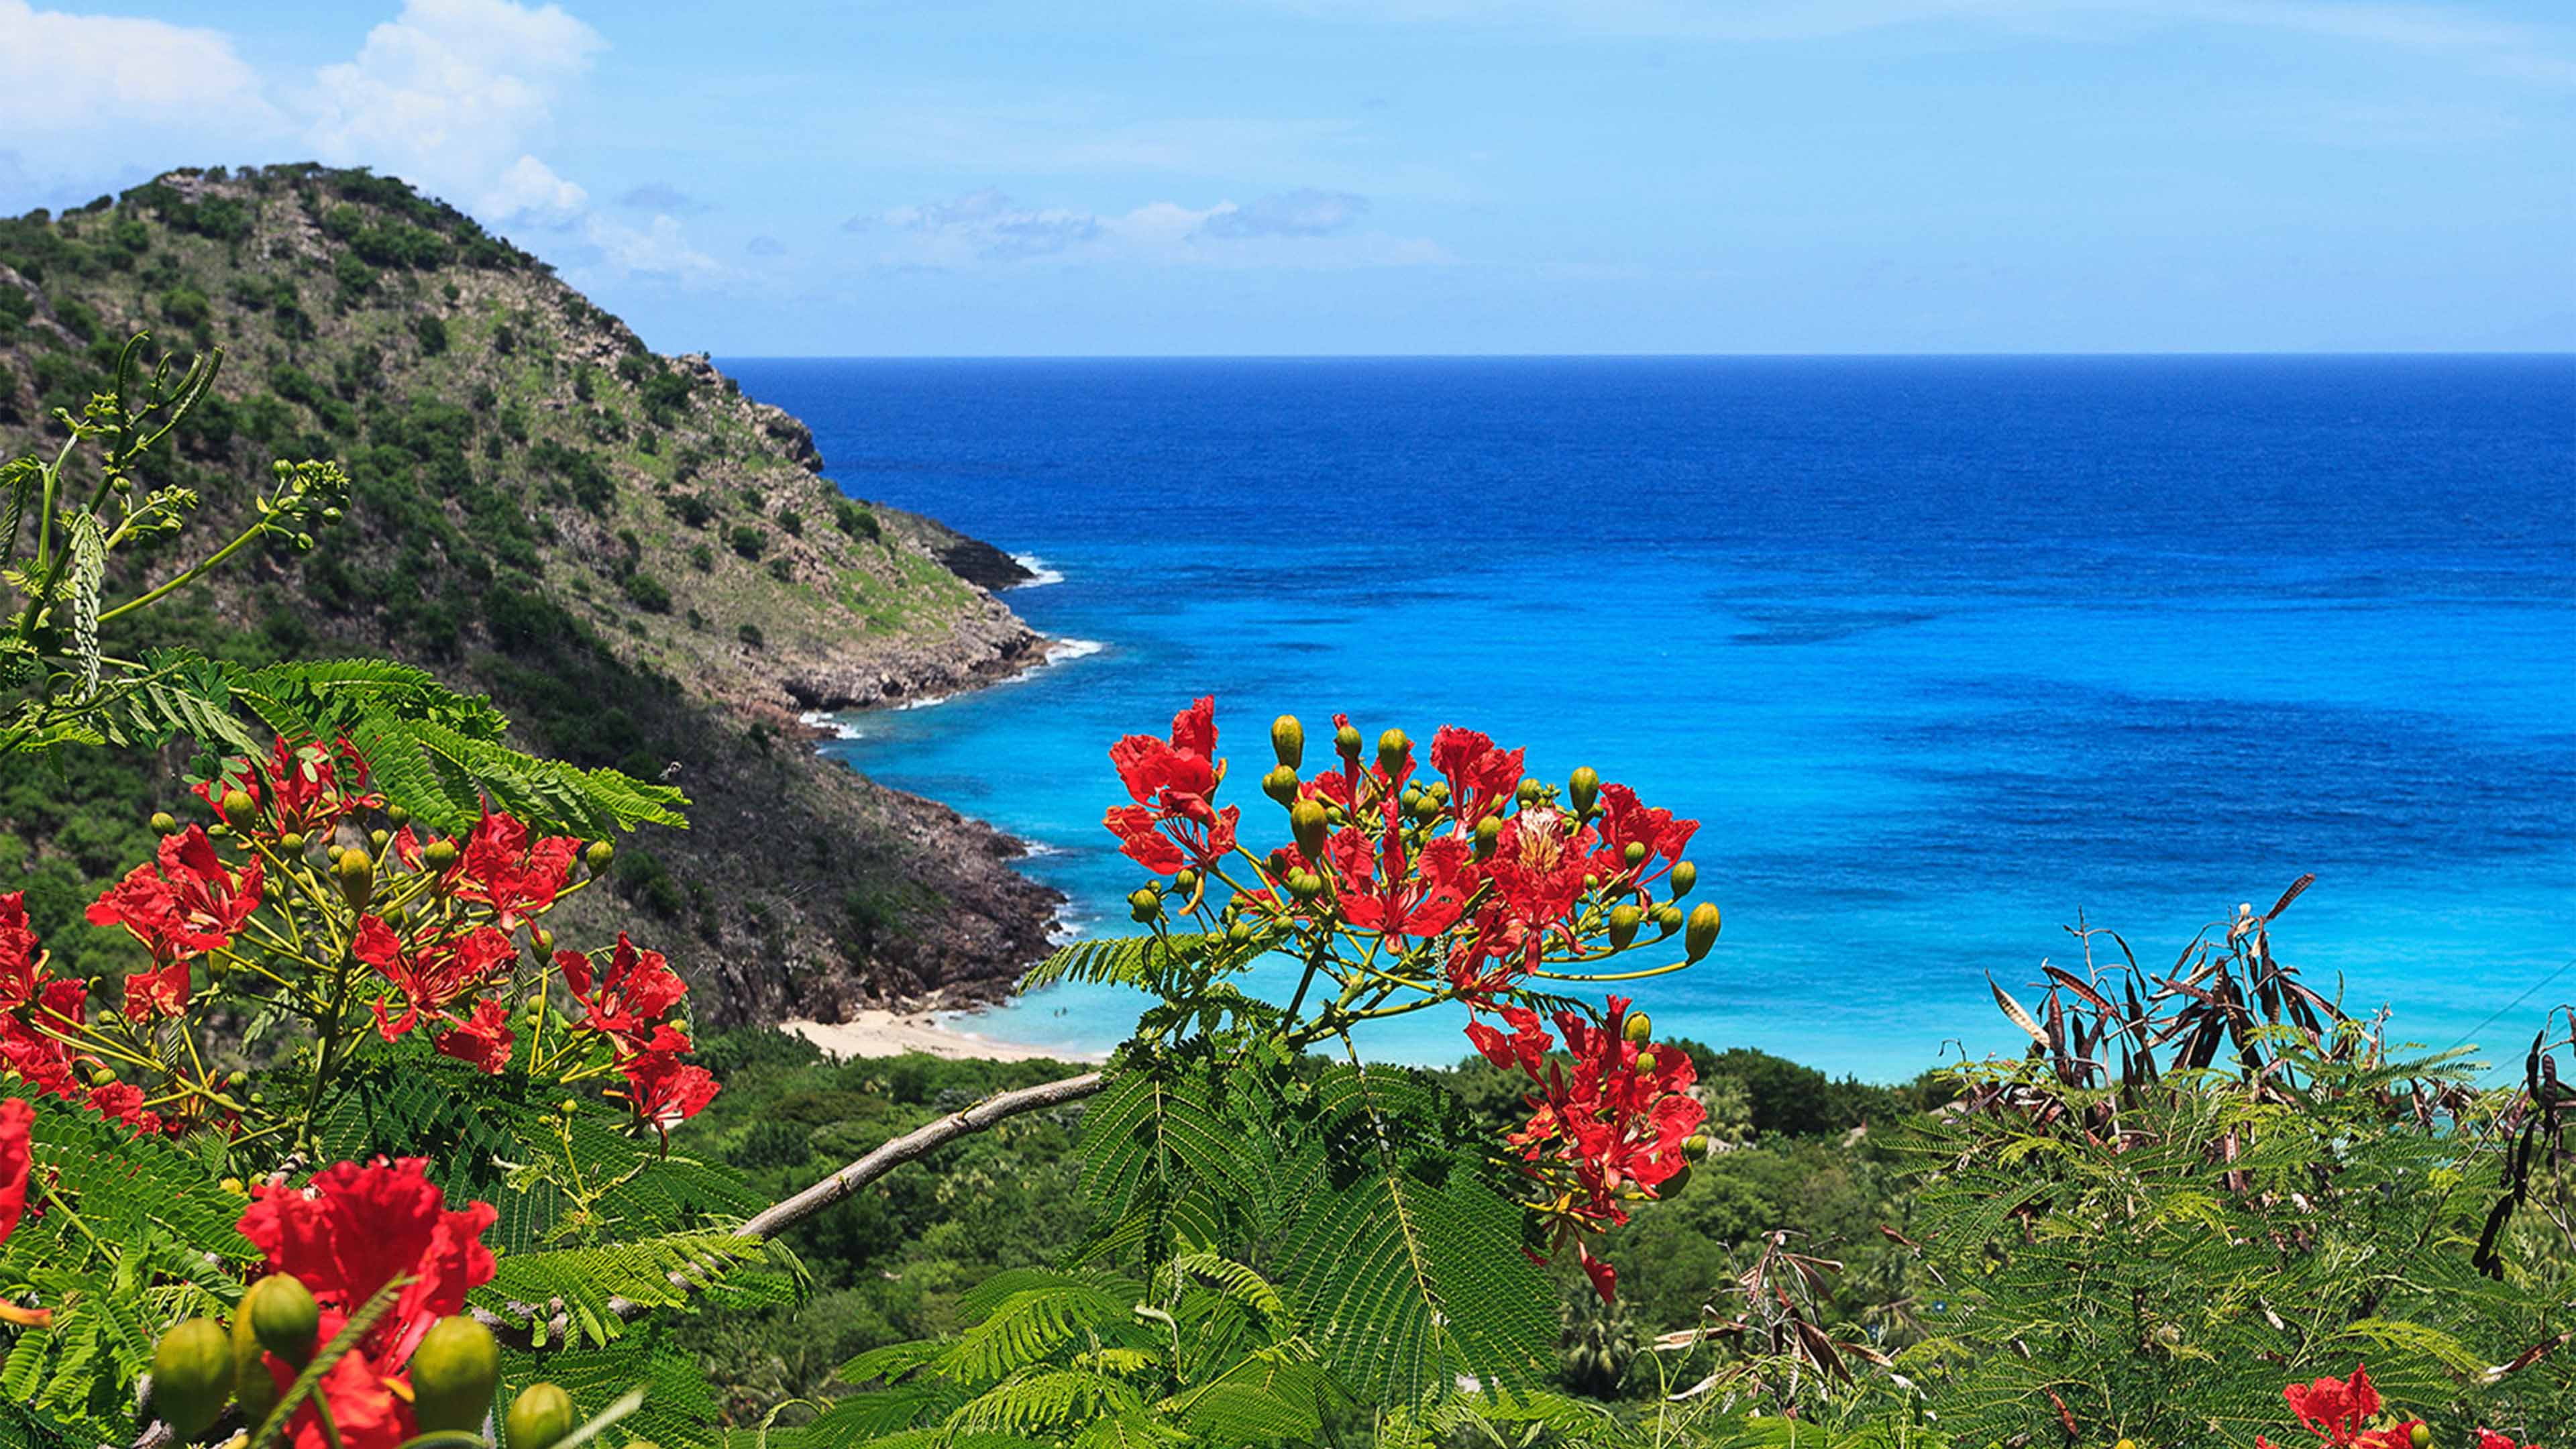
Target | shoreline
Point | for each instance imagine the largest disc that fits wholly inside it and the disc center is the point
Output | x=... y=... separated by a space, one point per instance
x=878 y=1032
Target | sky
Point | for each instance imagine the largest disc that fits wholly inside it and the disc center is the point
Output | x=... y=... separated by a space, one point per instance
x=1121 y=177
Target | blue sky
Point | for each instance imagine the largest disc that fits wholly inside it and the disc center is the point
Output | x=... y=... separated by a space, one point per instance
x=1425 y=176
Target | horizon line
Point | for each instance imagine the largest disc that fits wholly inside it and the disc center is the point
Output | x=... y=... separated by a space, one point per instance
x=2247 y=353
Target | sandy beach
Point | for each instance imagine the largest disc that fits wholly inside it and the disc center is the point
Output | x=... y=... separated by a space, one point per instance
x=889 y=1033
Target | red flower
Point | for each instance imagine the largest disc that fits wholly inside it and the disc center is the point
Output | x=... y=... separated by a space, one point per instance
x=355 y=1229
x=1481 y=778
x=1423 y=901
x=630 y=998
x=22 y=964
x=33 y=1046
x=2395 y=1436
x=159 y=992
x=430 y=970
x=483 y=1041
x=1172 y=824
x=1528 y=1044
x=1605 y=1279
x=502 y=868
x=366 y=1413
x=2334 y=1409
x=123 y=1102
x=2487 y=1439
x=17 y=1155
x=308 y=788
x=662 y=1089
x=182 y=903
x=1626 y=821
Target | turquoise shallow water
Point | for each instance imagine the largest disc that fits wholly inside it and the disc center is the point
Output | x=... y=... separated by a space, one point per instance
x=1941 y=651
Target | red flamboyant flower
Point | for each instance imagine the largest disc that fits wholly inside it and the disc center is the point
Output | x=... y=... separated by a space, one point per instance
x=1424 y=900
x=123 y=1102
x=355 y=1229
x=1627 y=821
x=32 y=1038
x=1481 y=778
x=482 y=1041
x=628 y=1000
x=22 y=961
x=662 y=1089
x=1537 y=872
x=17 y=1156
x=2335 y=1409
x=183 y=902
x=162 y=991
x=2490 y=1439
x=517 y=877
x=1173 y=823
x=307 y=788
x=1525 y=1048
x=431 y=969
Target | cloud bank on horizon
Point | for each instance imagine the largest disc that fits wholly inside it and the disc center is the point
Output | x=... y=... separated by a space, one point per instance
x=1346 y=176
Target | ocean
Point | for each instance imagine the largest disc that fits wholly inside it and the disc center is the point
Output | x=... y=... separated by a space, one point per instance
x=1945 y=654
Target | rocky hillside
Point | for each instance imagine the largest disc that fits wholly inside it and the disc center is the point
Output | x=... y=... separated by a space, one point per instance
x=642 y=566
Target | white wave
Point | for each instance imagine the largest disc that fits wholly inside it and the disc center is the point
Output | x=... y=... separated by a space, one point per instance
x=1041 y=573
x=1033 y=849
x=1067 y=925
x=826 y=720
x=1064 y=649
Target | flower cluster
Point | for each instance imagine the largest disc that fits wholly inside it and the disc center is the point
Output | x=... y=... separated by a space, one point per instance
x=289 y=902
x=1401 y=888
x=2346 y=1414
x=1616 y=1123
x=347 y=1235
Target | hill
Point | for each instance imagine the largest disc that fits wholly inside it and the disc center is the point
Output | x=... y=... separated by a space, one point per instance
x=643 y=567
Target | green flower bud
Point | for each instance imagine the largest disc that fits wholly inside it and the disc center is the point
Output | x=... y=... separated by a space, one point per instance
x=357 y=876
x=1143 y=904
x=453 y=1373
x=1640 y=1029
x=601 y=852
x=292 y=842
x=544 y=940
x=1305 y=885
x=192 y=1376
x=236 y=1078
x=1392 y=748
x=1624 y=921
x=438 y=854
x=1591 y=881
x=1635 y=854
x=1185 y=881
x=1528 y=792
x=283 y=1317
x=538 y=1417
x=568 y=1106
x=1346 y=742
x=1308 y=823
x=1426 y=808
x=1239 y=932
x=1280 y=785
x=398 y=815
x=161 y=822
x=2420 y=1436
x=379 y=839
x=253 y=1386
x=334 y=851
x=1668 y=918
x=237 y=803
x=1703 y=931
x=1288 y=741
x=1440 y=791
x=1696 y=1144
x=1582 y=788
x=1489 y=832
x=1684 y=876
x=1646 y=1063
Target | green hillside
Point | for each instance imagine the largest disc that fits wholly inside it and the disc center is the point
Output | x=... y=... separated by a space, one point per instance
x=640 y=565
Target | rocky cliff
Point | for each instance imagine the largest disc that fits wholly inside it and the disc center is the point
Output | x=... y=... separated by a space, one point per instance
x=638 y=563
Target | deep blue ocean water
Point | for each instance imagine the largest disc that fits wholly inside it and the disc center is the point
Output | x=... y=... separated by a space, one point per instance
x=1942 y=652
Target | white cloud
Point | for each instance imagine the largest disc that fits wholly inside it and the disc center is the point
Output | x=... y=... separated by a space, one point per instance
x=451 y=95
x=1291 y=229
x=60 y=71
x=657 y=249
